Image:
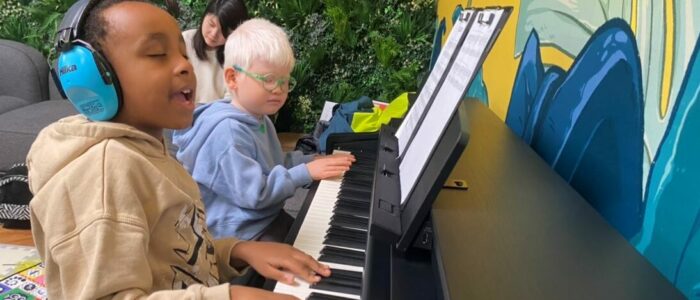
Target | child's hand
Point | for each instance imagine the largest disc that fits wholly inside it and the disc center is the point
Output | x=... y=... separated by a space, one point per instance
x=239 y=292
x=279 y=261
x=329 y=166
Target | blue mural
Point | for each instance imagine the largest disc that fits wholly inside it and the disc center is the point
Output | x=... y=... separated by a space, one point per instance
x=589 y=125
x=527 y=82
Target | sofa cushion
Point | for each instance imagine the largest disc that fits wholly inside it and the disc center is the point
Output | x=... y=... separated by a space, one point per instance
x=19 y=127
x=8 y=103
x=24 y=72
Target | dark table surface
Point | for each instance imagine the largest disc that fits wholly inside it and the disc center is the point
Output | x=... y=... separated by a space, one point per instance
x=520 y=231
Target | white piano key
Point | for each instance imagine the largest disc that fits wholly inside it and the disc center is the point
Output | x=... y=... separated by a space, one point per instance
x=303 y=290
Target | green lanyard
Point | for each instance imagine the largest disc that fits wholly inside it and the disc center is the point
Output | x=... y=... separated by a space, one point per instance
x=262 y=128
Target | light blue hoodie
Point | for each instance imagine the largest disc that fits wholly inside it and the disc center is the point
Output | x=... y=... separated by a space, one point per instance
x=238 y=163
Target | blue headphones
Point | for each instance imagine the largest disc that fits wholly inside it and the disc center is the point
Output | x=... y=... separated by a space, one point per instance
x=82 y=74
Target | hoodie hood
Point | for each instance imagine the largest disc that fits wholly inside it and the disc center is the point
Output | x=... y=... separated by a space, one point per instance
x=191 y=139
x=67 y=139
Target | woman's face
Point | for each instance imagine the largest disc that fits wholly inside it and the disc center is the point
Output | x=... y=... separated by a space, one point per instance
x=211 y=31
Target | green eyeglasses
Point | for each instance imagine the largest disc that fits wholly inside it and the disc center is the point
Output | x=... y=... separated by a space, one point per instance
x=268 y=81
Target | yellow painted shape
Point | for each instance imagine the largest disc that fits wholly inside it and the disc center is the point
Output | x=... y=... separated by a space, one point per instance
x=669 y=41
x=554 y=56
x=633 y=17
x=501 y=66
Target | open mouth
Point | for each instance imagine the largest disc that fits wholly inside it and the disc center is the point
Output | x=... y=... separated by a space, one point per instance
x=185 y=96
x=187 y=93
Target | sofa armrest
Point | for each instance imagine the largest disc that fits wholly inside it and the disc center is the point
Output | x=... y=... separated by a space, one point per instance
x=24 y=72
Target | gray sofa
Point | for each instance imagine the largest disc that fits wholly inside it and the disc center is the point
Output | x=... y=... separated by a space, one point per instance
x=29 y=100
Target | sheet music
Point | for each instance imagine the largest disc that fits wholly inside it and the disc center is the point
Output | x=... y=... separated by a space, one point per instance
x=408 y=126
x=450 y=95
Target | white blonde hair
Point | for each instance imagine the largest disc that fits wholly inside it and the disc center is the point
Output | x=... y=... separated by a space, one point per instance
x=258 y=39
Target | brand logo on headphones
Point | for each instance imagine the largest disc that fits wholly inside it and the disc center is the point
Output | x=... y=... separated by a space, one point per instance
x=67 y=69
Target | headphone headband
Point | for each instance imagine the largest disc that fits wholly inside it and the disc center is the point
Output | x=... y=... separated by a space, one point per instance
x=70 y=27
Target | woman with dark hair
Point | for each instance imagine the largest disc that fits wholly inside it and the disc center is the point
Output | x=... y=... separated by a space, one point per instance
x=205 y=46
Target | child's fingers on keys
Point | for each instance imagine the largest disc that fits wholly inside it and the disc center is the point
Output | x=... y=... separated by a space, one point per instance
x=337 y=168
x=314 y=267
x=275 y=274
x=347 y=156
x=334 y=173
x=340 y=161
x=313 y=264
x=299 y=268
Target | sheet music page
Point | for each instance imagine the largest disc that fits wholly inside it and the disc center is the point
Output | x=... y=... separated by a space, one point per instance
x=403 y=134
x=449 y=95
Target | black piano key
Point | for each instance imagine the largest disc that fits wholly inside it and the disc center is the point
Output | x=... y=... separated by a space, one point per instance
x=349 y=232
x=341 y=281
x=341 y=260
x=349 y=213
x=362 y=165
x=353 y=193
x=346 y=237
x=364 y=154
x=359 y=173
x=343 y=252
x=349 y=221
x=338 y=273
x=357 y=184
x=354 y=198
x=360 y=185
x=347 y=209
x=319 y=296
x=342 y=256
x=354 y=203
x=335 y=239
x=356 y=254
x=337 y=287
x=356 y=189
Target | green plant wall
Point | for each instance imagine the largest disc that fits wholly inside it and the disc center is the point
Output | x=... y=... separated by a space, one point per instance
x=344 y=48
x=349 y=48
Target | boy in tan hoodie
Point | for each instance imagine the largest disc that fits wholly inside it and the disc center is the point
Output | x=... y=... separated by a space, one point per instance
x=114 y=216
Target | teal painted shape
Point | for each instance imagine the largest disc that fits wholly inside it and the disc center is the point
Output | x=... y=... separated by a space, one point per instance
x=669 y=234
x=477 y=89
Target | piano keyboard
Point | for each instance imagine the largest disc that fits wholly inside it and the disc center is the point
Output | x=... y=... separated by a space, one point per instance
x=334 y=231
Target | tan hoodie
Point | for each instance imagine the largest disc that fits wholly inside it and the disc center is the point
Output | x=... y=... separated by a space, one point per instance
x=114 y=216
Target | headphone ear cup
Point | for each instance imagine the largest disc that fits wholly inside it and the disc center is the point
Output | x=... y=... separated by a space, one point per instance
x=88 y=82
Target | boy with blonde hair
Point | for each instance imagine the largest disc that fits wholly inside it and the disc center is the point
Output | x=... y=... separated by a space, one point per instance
x=232 y=150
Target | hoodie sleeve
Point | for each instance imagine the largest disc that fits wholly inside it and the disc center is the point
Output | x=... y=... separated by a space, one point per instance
x=295 y=158
x=223 y=248
x=241 y=177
